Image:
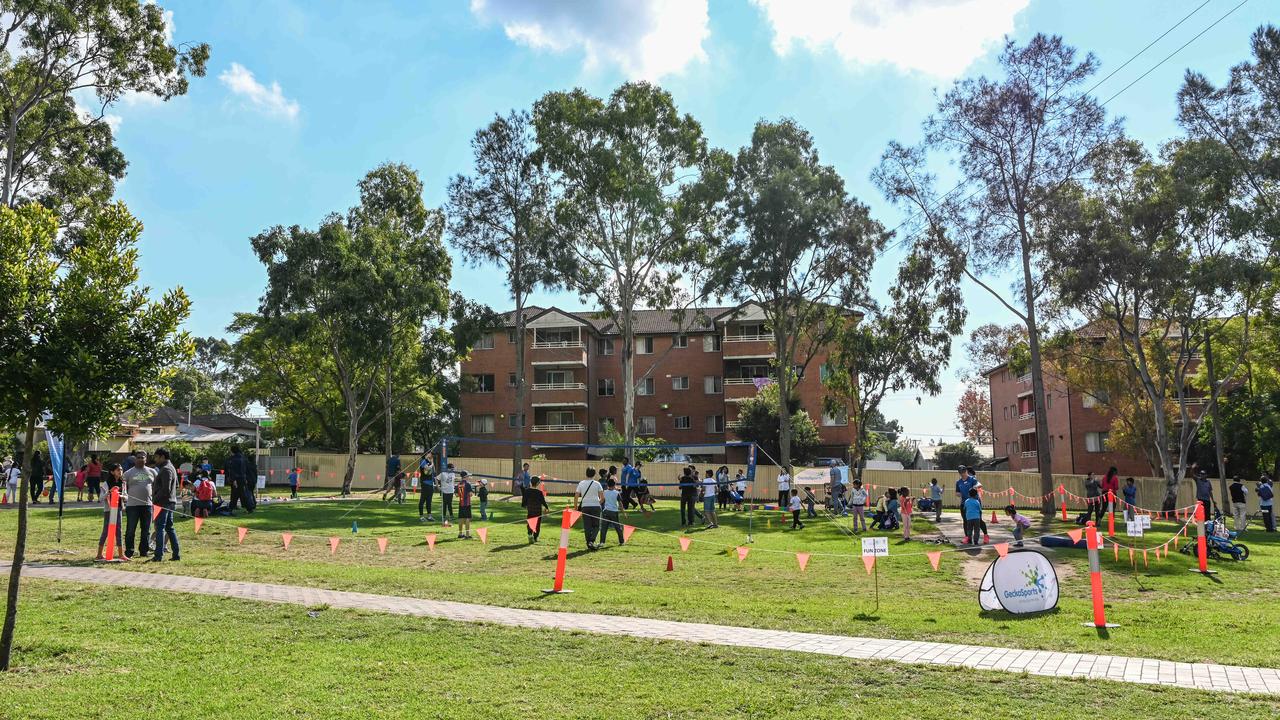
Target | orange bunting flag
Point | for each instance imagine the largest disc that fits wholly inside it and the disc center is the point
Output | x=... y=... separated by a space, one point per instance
x=1144 y=558
x=803 y=559
x=742 y=553
x=684 y=544
x=382 y=546
x=198 y=521
x=1116 y=548
x=155 y=512
x=1075 y=535
x=935 y=558
x=573 y=517
x=1130 y=556
x=286 y=538
x=1002 y=549
x=241 y=532
x=431 y=542
x=533 y=524
x=627 y=530
x=869 y=561
x=333 y=544
x=484 y=535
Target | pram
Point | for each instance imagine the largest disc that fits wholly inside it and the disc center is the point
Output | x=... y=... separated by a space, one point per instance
x=884 y=520
x=1219 y=541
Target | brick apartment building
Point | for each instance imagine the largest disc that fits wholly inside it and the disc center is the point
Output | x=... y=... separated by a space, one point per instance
x=574 y=371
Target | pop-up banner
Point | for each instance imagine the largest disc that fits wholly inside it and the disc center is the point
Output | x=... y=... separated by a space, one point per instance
x=1021 y=583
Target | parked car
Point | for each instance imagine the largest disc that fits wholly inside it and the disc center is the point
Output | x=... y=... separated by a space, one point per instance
x=828 y=462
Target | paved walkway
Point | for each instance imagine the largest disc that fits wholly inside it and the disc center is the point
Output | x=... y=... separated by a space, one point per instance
x=1035 y=662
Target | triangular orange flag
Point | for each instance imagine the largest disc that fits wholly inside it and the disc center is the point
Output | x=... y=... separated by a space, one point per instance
x=1002 y=549
x=431 y=542
x=803 y=559
x=935 y=558
x=241 y=532
x=199 y=521
x=1075 y=535
x=869 y=561
x=627 y=530
x=155 y=512
x=484 y=535
x=286 y=538
x=533 y=524
x=1130 y=556
x=1144 y=558
x=684 y=544
x=382 y=545
x=742 y=553
x=573 y=517
x=333 y=544
x=1116 y=549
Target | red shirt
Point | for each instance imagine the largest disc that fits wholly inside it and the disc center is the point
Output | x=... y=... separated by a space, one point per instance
x=205 y=491
x=1111 y=483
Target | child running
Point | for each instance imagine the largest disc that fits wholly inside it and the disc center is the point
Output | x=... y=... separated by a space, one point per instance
x=535 y=504
x=1020 y=524
x=972 y=517
x=794 y=506
x=858 y=504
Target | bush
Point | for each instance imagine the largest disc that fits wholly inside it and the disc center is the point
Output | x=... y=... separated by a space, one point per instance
x=953 y=455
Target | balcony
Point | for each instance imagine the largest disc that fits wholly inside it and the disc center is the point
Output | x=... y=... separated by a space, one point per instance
x=739 y=389
x=558 y=354
x=1025 y=378
x=747 y=347
x=1028 y=453
x=565 y=393
x=574 y=433
x=1027 y=415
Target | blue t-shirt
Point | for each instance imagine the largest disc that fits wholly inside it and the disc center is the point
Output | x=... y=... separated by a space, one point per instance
x=973 y=509
x=935 y=492
x=293 y=479
x=1130 y=493
x=963 y=486
x=630 y=476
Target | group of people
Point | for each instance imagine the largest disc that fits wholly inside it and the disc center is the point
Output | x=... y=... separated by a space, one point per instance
x=142 y=487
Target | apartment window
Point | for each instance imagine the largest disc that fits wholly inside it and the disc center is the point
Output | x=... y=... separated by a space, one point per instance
x=823 y=372
x=646 y=425
x=1095 y=442
x=1094 y=398
x=715 y=424
x=604 y=387
x=753 y=330
x=1006 y=412
x=1048 y=400
x=840 y=418
x=511 y=380
x=516 y=420
x=511 y=336
x=604 y=346
x=604 y=423
x=644 y=346
x=680 y=382
x=557 y=337
x=681 y=422
x=680 y=341
x=482 y=424
x=485 y=342
x=710 y=343
x=646 y=387
x=558 y=377
x=561 y=417
x=482 y=383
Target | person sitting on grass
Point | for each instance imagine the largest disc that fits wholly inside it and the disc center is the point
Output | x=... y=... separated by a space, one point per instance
x=464 y=506
x=535 y=505
x=972 y=513
x=794 y=506
x=115 y=479
x=1020 y=523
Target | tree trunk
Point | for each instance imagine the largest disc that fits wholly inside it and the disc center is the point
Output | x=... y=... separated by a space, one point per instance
x=386 y=409
x=1213 y=414
x=628 y=385
x=517 y=450
x=784 y=391
x=11 y=141
x=19 y=548
x=1044 y=461
x=353 y=438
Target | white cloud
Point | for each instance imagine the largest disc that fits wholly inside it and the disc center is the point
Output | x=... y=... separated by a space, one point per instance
x=270 y=100
x=646 y=39
x=936 y=37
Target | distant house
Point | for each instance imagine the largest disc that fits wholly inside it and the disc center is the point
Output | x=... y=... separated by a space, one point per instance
x=168 y=425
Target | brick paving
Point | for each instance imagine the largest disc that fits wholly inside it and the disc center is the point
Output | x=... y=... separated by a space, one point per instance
x=1202 y=676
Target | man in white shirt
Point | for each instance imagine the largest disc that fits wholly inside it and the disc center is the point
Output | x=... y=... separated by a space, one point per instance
x=709 y=489
x=589 y=499
x=784 y=488
x=447 y=482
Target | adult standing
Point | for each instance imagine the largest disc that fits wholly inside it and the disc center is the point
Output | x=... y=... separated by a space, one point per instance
x=710 y=489
x=137 y=482
x=393 y=475
x=1110 y=489
x=1093 y=498
x=520 y=482
x=1239 y=508
x=784 y=487
x=837 y=490
x=12 y=476
x=630 y=479
x=237 y=476
x=164 y=494
x=37 y=477
x=1266 y=501
x=688 y=492
x=93 y=477
x=427 y=488
x=589 y=499
x=1204 y=493
x=963 y=486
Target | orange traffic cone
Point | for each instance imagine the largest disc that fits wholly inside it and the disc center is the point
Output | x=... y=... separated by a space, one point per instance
x=671 y=565
x=994 y=519
x=4 y=498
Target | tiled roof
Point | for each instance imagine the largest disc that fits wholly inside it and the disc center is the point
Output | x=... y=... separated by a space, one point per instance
x=647 y=322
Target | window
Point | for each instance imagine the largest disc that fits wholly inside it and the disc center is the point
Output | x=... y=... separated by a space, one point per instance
x=603 y=424
x=799 y=371
x=646 y=387
x=644 y=346
x=604 y=387
x=646 y=425
x=1006 y=412
x=604 y=346
x=710 y=343
x=558 y=377
x=482 y=383
x=752 y=330
x=1095 y=442
x=754 y=371
x=556 y=337
x=713 y=384
x=511 y=380
x=560 y=417
x=715 y=424
x=482 y=424
x=514 y=420
x=680 y=341
x=682 y=422
x=511 y=336
x=485 y=342
x=680 y=382
x=840 y=418
x=1094 y=398
x=1048 y=400
x=823 y=372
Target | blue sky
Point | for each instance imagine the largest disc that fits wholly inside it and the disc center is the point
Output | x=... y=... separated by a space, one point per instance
x=302 y=99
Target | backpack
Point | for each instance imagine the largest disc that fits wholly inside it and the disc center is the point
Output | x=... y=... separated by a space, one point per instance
x=1264 y=492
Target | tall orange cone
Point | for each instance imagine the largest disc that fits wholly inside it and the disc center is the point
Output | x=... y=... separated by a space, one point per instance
x=1062 y=490
x=113 y=524
x=562 y=553
x=671 y=564
x=1111 y=514
x=1202 y=550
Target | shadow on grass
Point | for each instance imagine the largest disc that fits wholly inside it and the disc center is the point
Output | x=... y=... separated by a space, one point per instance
x=1005 y=615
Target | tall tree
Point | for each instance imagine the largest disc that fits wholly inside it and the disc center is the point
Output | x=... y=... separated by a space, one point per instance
x=973 y=416
x=501 y=216
x=801 y=249
x=206 y=384
x=761 y=419
x=57 y=54
x=1015 y=140
x=902 y=345
x=81 y=340
x=1151 y=252
x=988 y=346
x=357 y=286
x=639 y=211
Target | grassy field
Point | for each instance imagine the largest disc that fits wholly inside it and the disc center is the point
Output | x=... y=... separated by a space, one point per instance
x=1165 y=612
x=96 y=652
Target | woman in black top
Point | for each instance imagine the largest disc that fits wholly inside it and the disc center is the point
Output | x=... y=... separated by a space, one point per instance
x=535 y=504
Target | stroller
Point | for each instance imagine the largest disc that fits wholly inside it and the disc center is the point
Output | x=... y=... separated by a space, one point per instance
x=1219 y=541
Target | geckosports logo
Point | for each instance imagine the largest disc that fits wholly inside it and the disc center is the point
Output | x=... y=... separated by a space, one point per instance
x=1035 y=584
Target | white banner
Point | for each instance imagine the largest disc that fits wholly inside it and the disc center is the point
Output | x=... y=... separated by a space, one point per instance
x=876 y=546
x=1021 y=583
x=219 y=480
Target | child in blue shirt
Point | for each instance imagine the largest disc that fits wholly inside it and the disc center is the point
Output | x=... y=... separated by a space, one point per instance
x=1130 y=498
x=293 y=483
x=972 y=517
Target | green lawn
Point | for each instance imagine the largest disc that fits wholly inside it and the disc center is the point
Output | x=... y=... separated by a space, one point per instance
x=1165 y=612
x=98 y=652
